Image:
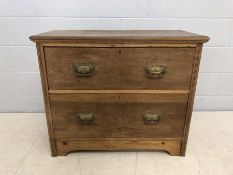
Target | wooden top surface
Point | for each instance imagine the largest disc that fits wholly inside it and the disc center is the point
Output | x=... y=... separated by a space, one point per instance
x=157 y=35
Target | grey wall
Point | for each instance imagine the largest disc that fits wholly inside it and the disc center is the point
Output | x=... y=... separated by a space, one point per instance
x=20 y=89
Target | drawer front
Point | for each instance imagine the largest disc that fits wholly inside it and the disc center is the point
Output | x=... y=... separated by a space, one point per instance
x=119 y=68
x=118 y=116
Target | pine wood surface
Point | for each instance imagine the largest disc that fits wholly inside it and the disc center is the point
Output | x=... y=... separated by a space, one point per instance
x=167 y=35
x=118 y=91
x=119 y=68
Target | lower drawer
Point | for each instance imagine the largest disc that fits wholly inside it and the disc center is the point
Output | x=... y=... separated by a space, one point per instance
x=118 y=116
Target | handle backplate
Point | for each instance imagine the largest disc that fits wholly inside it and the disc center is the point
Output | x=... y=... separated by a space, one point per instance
x=85 y=118
x=155 y=71
x=84 y=70
x=152 y=117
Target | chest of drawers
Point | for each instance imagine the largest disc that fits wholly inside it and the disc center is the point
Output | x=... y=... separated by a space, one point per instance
x=118 y=90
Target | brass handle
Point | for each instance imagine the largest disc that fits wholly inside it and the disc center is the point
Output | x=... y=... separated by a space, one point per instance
x=152 y=117
x=155 y=71
x=84 y=70
x=85 y=118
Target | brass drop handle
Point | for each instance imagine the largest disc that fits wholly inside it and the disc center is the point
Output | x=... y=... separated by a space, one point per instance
x=83 y=70
x=155 y=71
x=85 y=118
x=152 y=117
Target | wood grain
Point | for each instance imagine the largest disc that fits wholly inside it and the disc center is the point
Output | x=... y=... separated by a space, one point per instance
x=119 y=68
x=108 y=42
x=91 y=45
x=44 y=83
x=118 y=92
x=141 y=35
x=191 y=98
x=117 y=116
x=64 y=147
x=121 y=97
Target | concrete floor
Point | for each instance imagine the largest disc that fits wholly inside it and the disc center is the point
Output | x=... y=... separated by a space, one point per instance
x=24 y=150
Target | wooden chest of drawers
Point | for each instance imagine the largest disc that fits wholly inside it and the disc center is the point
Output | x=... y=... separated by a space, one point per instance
x=118 y=90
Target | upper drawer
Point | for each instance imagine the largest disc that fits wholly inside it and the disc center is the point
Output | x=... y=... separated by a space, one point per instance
x=119 y=68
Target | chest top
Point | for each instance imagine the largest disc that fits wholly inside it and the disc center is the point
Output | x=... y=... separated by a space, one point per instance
x=171 y=36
